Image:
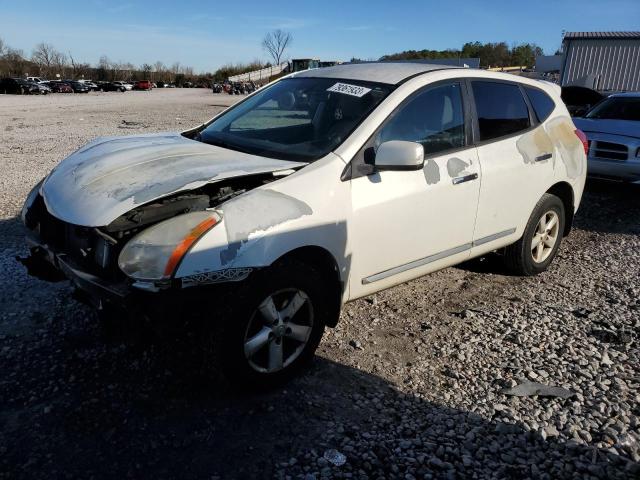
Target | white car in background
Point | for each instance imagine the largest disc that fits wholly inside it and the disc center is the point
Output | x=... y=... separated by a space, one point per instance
x=326 y=186
x=36 y=79
x=125 y=85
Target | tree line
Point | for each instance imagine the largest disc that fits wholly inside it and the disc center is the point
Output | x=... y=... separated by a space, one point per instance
x=491 y=54
x=48 y=62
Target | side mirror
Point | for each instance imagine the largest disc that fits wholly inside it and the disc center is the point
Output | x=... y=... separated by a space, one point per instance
x=399 y=155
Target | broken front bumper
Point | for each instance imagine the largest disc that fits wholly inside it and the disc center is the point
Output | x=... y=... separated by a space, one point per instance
x=168 y=304
x=46 y=264
x=93 y=285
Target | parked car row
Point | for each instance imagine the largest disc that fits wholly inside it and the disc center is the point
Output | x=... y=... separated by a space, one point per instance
x=41 y=86
x=20 y=86
x=234 y=88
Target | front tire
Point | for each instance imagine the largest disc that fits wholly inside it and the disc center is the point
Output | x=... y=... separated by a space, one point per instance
x=535 y=251
x=273 y=326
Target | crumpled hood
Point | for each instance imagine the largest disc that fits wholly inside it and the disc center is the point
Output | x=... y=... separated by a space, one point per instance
x=625 y=128
x=112 y=175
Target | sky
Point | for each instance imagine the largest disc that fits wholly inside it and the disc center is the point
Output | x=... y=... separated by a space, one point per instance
x=206 y=35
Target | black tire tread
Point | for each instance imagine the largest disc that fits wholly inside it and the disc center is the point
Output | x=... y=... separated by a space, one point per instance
x=219 y=334
x=516 y=254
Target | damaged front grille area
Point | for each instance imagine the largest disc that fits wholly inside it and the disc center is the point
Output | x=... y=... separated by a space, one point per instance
x=88 y=247
x=96 y=250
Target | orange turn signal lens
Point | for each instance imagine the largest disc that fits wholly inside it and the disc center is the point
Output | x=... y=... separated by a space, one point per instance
x=187 y=242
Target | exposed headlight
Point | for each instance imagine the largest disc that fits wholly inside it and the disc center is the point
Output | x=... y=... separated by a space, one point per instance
x=155 y=253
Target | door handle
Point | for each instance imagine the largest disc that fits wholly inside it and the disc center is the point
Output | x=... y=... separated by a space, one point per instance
x=543 y=157
x=465 y=178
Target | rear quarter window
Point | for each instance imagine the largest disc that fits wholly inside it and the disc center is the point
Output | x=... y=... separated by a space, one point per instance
x=501 y=109
x=542 y=103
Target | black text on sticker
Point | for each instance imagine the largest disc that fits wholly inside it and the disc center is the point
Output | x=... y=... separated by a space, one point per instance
x=354 y=90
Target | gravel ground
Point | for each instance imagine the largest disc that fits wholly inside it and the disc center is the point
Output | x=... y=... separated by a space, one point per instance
x=410 y=385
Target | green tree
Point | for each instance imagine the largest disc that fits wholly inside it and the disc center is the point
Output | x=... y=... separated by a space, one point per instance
x=496 y=54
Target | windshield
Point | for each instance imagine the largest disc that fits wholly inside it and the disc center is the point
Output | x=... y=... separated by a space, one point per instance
x=617 y=108
x=296 y=118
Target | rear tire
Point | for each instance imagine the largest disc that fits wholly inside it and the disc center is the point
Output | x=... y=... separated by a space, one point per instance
x=272 y=327
x=539 y=244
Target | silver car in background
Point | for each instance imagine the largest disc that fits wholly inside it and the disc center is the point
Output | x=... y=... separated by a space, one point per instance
x=613 y=130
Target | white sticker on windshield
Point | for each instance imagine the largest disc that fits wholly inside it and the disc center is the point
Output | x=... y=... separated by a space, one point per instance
x=348 y=89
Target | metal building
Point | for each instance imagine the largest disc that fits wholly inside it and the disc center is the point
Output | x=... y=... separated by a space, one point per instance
x=602 y=60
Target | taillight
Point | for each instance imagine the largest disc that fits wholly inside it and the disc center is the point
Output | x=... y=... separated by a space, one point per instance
x=583 y=139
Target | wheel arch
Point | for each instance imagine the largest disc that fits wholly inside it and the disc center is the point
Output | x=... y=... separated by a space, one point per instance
x=323 y=261
x=564 y=192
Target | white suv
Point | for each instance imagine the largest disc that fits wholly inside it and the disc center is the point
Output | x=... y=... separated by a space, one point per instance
x=322 y=187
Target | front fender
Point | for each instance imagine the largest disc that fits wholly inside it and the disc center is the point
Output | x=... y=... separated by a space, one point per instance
x=309 y=208
x=256 y=229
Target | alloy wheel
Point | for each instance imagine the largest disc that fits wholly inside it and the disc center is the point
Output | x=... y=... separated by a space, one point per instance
x=278 y=330
x=545 y=237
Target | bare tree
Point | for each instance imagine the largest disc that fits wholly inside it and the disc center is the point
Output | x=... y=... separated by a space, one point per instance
x=159 y=71
x=50 y=62
x=102 y=69
x=15 y=61
x=126 y=70
x=59 y=63
x=275 y=44
x=44 y=55
x=116 y=68
x=146 y=71
x=78 y=69
x=74 y=66
x=3 y=51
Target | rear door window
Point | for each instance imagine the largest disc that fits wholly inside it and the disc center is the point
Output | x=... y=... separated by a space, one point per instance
x=501 y=109
x=541 y=103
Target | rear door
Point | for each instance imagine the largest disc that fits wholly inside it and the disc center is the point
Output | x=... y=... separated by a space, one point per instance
x=516 y=158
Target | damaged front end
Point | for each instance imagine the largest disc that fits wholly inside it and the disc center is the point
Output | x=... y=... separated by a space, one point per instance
x=126 y=262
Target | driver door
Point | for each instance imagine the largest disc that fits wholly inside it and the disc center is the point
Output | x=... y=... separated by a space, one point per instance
x=408 y=223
